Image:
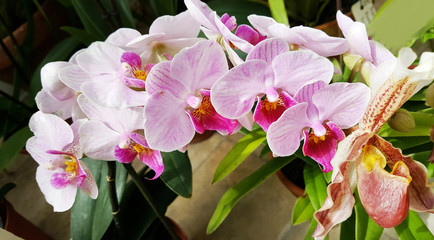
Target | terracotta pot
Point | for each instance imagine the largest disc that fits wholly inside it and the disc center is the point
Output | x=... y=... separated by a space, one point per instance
x=296 y=190
x=291 y=176
x=15 y=223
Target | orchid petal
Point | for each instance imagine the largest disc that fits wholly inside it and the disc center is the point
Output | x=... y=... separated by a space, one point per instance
x=100 y=58
x=261 y=23
x=285 y=134
x=73 y=76
x=98 y=140
x=152 y=158
x=280 y=30
x=126 y=155
x=60 y=199
x=122 y=36
x=205 y=61
x=51 y=82
x=202 y=13
x=48 y=104
x=234 y=94
x=267 y=50
x=379 y=53
x=182 y=25
x=228 y=36
x=175 y=131
x=89 y=185
x=160 y=79
x=170 y=47
x=342 y=103
x=306 y=93
x=249 y=34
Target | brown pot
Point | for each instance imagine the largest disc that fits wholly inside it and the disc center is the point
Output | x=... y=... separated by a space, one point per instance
x=296 y=190
x=18 y=225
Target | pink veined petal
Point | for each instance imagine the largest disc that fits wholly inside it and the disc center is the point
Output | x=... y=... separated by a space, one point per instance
x=51 y=82
x=321 y=43
x=323 y=150
x=122 y=36
x=132 y=59
x=98 y=140
x=182 y=25
x=202 y=13
x=306 y=93
x=206 y=118
x=134 y=82
x=280 y=30
x=200 y=66
x=119 y=120
x=160 y=79
x=89 y=185
x=126 y=155
x=74 y=76
x=380 y=54
x=152 y=158
x=232 y=55
x=167 y=126
x=234 y=94
x=228 y=36
x=51 y=132
x=246 y=121
x=268 y=112
x=296 y=68
x=284 y=135
x=112 y=92
x=100 y=58
x=60 y=199
x=48 y=104
x=261 y=23
x=268 y=49
x=342 y=103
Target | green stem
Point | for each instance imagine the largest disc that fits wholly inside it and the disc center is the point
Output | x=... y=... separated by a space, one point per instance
x=111 y=181
x=145 y=192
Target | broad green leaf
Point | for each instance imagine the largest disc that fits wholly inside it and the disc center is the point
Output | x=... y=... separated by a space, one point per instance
x=316 y=186
x=366 y=228
x=90 y=218
x=243 y=148
x=125 y=13
x=137 y=215
x=80 y=34
x=303 y=210
x=91 y=18
x=277 y=8
x=419 y=96
x=10 y=148
x=61 y=52
x=413 y=228
x=424 y=122
x=407 y=142
x=235 y=193
x=348 y=228
x=239 y=8
x=177 y=174
x=164 y=7
x=394 y=31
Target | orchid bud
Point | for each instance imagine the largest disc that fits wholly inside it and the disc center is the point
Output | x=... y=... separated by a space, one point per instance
x=429 y=95
x=402 y=121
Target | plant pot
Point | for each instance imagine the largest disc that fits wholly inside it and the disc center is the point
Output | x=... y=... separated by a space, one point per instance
x=15 y=223
x=291 y=176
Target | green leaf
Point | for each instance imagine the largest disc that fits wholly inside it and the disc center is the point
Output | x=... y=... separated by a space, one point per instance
x=125 y=14
x=91 y=18
x=366 y=228
x=62 y=51
x=311 y=229
x=277 y=8
x=243 y=148
x=407 y=142
x=10 y=148
x=316 y=186
x=235 y=193
x=413 y=228
x=348 y=228
x=90 y=218
x=303 y=210
x=424 y=122
x=239 y=8
x=80 y=34
x=164 y=7
x=177 y=174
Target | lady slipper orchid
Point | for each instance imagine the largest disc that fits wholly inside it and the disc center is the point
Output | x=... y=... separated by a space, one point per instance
x=386 y=196
x=117 y=134
x=271 y=75
x=325 y=110
x=56 y=148
x=219 y=29
x=180 y=104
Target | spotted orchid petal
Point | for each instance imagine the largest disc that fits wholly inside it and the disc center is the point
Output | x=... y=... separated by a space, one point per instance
x=285 y=134
x=234 y=94
x=89 y=185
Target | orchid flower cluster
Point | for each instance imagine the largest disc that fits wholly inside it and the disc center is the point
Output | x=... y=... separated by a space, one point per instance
x=137 y=95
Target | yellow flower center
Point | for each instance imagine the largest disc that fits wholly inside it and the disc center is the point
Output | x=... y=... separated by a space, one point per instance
x=372 y=156
x=271 y=106
x=315 y=138
x=139 y=148
x=204 y=108
x=71 y=165
x=139 y=74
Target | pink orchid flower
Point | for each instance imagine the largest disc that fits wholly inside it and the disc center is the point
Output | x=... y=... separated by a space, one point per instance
x=324 y=110
x=362 y=155
x=56 y=148
x=300 y=36
x=271 y=76
x=117 y=134
x=219 y=29
x=179 y=102
x=167 y=35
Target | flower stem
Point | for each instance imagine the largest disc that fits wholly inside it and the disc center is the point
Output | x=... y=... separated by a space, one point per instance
x=145 y=192
x=111 y=181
